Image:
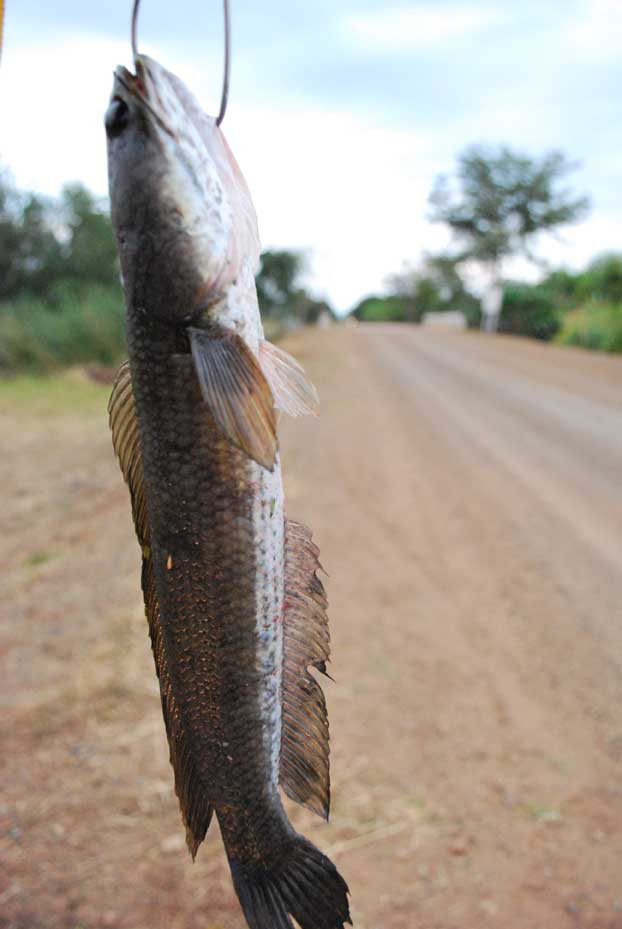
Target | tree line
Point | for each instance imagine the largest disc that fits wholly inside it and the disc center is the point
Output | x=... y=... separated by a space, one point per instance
x=578 y=308
x=61 y=300
x=498 y=206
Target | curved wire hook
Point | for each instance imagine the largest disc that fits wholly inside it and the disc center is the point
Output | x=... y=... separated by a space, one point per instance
x=134 y=28
x=227 y=66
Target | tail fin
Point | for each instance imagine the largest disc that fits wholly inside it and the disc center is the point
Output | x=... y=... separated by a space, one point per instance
x=305 y=885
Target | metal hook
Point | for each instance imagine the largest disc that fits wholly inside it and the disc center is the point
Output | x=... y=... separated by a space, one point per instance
x=227 y=72
x=134 y=28
x=227 y=67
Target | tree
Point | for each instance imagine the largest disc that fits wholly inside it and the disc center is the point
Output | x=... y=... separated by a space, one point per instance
x=308 y=311
x=281 y=297
x=602 y=280
x=504 y=201
x=9 y=236
x=528 y=310
x=276 y=281
x=562 y=286
x=29 y=250
x=435 y=286
x=90 y=252
x=45 y=244
x=382 y=309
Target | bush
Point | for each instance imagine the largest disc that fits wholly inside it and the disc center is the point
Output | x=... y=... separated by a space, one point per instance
x=528 y=310
x=384 y=309
x=471 y=310
x=595 y=325
x=79 y=325
x=602 y=280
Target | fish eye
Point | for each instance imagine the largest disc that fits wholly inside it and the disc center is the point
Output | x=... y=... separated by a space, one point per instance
x=117 y=117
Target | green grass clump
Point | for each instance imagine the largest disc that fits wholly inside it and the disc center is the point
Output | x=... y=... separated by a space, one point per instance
x=595 y=325
x=48 y=396
x=79 y=325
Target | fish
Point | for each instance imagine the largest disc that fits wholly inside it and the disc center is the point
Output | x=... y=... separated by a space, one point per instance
x=236 y=610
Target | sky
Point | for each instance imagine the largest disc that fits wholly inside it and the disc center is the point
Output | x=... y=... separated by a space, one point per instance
x=341 y=114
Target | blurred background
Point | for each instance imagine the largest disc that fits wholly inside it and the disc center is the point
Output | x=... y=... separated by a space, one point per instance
x=439 y=197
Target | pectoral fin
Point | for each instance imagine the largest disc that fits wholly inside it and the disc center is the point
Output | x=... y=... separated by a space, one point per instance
x=293 y=392
x=237 y=392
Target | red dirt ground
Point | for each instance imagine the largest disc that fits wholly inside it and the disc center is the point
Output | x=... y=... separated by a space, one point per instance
x=469 y=532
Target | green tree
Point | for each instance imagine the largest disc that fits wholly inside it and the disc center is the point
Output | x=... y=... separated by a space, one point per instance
x=43 y=243
x=602 y=279
x=435 y=286
x=562 y=286
x=89 y=254
x=382 y=309
x=416 y=291
x=504 y=200
x=277 y=281
x=280 y=293
x=29 y=249
x=528 y=310
x=9 y=237
x=40 y=251
x=308 y=310
x=60 y=295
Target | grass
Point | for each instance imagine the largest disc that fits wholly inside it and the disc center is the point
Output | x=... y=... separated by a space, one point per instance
x=544 y=814
x=37 y=558
x=68 y=393
x=595 y=325
x=44 y=346
x=80 y=325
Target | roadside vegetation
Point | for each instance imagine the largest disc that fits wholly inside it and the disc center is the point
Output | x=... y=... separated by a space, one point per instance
x=497 y=207
x=60 y=297
x=596 y=325
x=61 y=300
x=582 y=309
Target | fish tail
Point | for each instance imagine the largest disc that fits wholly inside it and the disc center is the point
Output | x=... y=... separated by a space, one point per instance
x=303 y=883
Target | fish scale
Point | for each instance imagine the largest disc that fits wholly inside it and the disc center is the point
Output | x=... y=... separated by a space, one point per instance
x=212 y=528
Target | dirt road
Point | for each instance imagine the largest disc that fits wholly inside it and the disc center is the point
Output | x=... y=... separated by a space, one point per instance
x=466 y=495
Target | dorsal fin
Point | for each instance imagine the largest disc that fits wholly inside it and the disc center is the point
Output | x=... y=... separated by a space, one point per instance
x=195 y=809
x=304 y=772
x=125 y=441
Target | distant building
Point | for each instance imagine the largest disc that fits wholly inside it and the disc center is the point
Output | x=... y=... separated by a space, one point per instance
x=452 y=319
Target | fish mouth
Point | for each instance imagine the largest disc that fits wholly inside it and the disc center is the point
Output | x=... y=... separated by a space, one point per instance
x=136 y=87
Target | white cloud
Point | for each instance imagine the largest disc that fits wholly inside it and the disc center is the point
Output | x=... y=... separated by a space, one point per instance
x=578 y=244
x=353 y=193
x=350 y=191
x=51 y=110
x=573 y=249
x=417 y=27
x=596 y=33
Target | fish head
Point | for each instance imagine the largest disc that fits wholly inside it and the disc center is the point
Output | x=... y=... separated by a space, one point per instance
x=181 y=210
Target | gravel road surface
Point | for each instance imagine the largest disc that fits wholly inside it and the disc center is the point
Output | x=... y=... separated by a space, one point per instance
x=466 y=495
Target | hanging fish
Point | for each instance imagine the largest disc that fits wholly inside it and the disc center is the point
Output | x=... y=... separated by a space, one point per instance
x=236 y=612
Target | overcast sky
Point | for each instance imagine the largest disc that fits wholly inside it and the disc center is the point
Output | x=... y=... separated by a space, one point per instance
x=341 y=113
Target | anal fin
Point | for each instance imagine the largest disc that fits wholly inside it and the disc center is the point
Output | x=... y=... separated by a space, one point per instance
x=196 y=810
x=304 y=770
